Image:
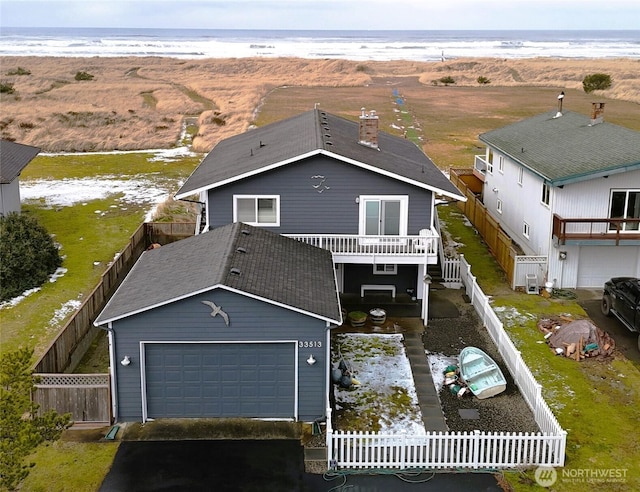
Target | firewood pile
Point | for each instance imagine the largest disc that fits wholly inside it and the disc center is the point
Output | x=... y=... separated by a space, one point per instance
x=577 y=339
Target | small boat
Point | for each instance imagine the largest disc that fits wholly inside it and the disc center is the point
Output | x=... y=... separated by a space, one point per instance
x=481 y=373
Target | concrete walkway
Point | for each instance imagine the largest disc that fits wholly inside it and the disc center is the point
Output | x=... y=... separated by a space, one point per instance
x=428 y=400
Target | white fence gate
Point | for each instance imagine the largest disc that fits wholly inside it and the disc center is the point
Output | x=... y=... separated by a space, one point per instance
x=529 y=265
x=475 y=450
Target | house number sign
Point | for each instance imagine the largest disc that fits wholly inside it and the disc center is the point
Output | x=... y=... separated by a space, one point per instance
x=310 y=344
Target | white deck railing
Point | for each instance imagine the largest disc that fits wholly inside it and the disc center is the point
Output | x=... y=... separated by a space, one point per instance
x=420 y=246
x=476 y=450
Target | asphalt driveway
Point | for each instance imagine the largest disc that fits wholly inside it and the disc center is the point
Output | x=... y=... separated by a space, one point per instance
x=261 y=466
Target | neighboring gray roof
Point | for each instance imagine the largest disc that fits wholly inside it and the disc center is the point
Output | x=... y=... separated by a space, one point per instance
x=567 y=149
x=274 y=268
x=310 y=133
x=14 y=157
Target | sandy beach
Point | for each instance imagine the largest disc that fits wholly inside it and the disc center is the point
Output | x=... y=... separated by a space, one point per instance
x=142 y=102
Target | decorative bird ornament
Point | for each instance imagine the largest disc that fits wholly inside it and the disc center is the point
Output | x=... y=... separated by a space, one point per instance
x=217 y=310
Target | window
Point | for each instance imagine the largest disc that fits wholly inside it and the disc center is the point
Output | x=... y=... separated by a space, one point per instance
x=385 y=269
x=625 y=204
x=520 y=175
x=383 y=215
x=526 y=230
x=490 y=162
x=499 y=206
x=546 y=194
x=501 y=164
x=260 y=210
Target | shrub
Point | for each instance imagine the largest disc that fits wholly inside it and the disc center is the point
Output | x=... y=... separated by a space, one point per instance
x=84 y=76
x=19 y=71
x=21 y=428
x=596 y=82
x=483 y=80
x=28 y=255
x=447 y=80
x=6 y=88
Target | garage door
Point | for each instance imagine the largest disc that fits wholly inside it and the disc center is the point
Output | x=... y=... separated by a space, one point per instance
x=599 y=264
x=220 y=380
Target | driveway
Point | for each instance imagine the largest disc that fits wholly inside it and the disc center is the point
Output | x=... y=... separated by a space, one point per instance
x=626 y=341
x=261 y=466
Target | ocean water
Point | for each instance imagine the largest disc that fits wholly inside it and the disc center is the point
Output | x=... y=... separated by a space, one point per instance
x=352 y=45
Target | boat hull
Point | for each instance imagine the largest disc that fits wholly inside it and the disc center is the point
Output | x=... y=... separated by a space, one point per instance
x=480 y=373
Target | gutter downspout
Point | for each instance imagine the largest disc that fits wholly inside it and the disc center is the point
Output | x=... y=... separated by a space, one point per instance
x=112 y=369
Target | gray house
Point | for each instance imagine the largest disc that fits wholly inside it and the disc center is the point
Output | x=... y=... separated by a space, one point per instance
x=14 y=157
x=233 y=322
x=363 y=194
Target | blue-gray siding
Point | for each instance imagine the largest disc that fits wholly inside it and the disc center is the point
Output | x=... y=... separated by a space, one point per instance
x=356 y=275
x=189 y=320
x=304 y=210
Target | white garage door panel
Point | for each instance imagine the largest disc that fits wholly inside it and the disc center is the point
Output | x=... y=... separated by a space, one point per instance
x=598 y=264
x=220 y=380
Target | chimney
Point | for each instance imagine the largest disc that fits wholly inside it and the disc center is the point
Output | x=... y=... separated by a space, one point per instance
x=368 y=129
x=597 y=113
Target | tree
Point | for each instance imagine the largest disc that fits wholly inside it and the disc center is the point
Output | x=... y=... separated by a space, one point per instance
x=21 y=428
x=28 y=255
x=596 y=82
x=482 y=80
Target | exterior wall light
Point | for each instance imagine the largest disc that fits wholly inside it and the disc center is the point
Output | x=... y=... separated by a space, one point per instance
x=311 y=360
x=126 y=360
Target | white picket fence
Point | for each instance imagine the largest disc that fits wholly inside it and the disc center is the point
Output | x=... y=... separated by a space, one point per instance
x=473 y=450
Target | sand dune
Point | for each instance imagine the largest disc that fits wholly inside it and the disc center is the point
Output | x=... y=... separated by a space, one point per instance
x=140 y=103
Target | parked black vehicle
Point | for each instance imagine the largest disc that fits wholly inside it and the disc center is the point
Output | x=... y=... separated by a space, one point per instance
x=621 y=299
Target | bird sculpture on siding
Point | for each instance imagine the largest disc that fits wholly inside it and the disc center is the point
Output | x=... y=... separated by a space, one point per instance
x=217 y=310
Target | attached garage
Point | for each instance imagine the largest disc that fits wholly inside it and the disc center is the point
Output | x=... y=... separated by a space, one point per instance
x=597 y=264
x=200 y=380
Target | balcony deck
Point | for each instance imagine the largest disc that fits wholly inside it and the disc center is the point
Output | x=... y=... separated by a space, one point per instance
x=420 y=249
x=601 y=230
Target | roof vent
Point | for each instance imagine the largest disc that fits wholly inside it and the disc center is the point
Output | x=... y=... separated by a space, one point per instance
x=597 y=113
x=246 y=232
x=235 y=271
x=241 y=250
x=560 y=98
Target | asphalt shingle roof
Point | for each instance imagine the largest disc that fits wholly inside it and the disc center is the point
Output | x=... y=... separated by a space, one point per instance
x=14 y=157
x=567 y=148
x=272 y=267
x=308 y=133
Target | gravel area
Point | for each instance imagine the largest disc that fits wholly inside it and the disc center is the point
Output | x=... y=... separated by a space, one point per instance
x=506 y=412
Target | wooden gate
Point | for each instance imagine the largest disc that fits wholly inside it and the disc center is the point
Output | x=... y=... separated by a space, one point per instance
x=85 y=396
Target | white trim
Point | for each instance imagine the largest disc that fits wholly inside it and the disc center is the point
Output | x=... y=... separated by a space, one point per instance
x=143 y=382
x=333 y=155
x=256 y=198
x=209 y=289
x=526 y=230
x=404 y=212
x=365 y=287
x=520 y=175
x=384 y=271
x=499 y=206
x=112 y=372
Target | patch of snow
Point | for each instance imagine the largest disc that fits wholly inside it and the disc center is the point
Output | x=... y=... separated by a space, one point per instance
x=60 y=271
x=384 y=373
x=66 y=309
x=18 y=299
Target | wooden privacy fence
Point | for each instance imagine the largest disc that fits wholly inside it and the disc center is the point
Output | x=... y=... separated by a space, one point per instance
x=85 y=396
x=498 y=241
x=66 y=351
x=462 y=449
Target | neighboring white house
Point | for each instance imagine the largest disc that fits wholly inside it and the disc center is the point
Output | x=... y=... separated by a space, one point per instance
x=14 y=157
x=554 y=183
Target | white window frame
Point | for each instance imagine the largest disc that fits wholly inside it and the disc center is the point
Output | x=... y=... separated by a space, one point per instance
x=526 y=230
x=256 y=198
x=520 y=175
x=501 y=164
x=499 y=206
x=387 y=269
x=545 y=199
x=490 y=156
x=404 y=211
